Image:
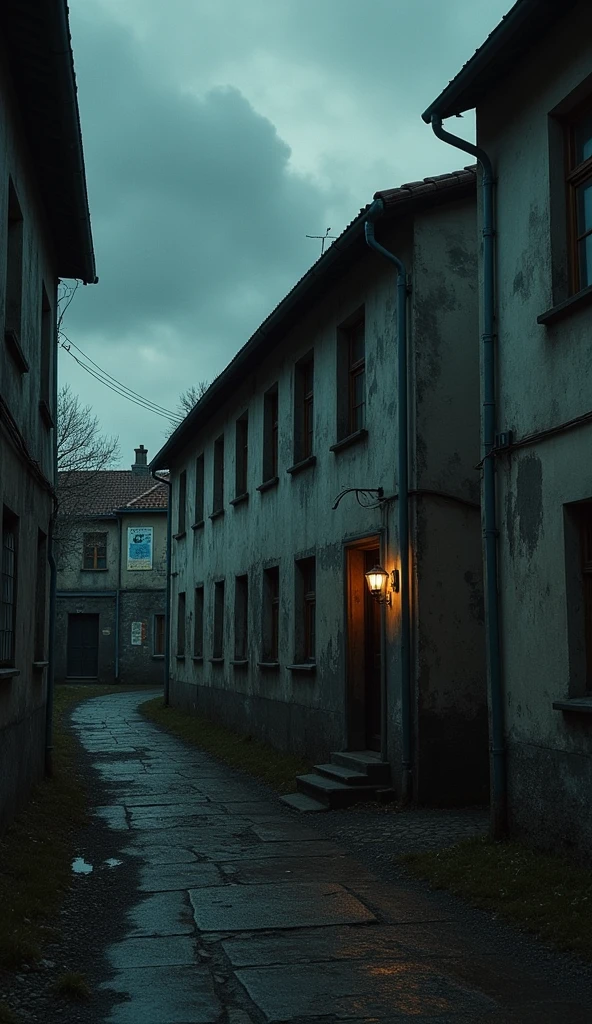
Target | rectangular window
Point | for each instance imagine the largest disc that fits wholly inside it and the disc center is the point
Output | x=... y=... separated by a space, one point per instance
x=218 y=474
x=305 y=610
x=159 y=623
x=14 y=264
x=579 y=185
x=218 y=651
x=181 y=625
x=182 y=497
x=241 y=616
x=304 y=409
x=357 y=377
x=47 y=358
x=270 y=434
x=241 y=454
x=199 y=489
x=94 y=551
x=40 y=596
x=586 y=564
x=8 y=587
x=271 y=613
x=198 y=617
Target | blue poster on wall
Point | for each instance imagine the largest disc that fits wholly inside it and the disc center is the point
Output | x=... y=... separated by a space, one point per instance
x=139 y=547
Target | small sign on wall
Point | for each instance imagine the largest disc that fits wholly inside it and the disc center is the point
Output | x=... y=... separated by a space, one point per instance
x=139 y=547
x=137 y=633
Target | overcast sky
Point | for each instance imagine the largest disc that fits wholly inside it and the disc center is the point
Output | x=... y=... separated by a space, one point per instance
x=217 y=134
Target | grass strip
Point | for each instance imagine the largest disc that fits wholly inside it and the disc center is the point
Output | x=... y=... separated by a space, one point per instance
x=37 y=848
x=263 y=762
x=542 y=893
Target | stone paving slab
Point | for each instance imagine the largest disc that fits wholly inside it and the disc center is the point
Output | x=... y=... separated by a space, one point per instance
x=290 y=905
x=168 y=877
x=152 y=855
x=341 y=869
x=164 y=995
x=314 y=945
x=400 y=990
x=164 y=913
x=159 y=951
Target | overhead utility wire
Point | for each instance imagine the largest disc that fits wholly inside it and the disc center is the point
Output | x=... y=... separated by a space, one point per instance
x=122 y=394
x=124 y=387
x=115 y=385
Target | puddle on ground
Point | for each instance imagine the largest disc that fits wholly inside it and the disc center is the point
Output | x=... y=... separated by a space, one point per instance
x=113 y=862
x=81 y=867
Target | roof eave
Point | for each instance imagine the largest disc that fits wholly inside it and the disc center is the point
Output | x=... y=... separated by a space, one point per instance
x=468 y=86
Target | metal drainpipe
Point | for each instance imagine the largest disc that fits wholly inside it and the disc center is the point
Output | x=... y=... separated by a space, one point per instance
x=167 y=611
x=498 y=755
x=376 y=211
x=118 y=602
x=53 y=577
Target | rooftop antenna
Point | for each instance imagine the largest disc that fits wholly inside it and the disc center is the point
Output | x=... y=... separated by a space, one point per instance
x=323 y=238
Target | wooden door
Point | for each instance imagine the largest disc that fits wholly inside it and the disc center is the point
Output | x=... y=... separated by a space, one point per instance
x=372 y=660
x=83 y=646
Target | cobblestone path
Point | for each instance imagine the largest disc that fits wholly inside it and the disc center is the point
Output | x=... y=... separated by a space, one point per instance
x=214 y=905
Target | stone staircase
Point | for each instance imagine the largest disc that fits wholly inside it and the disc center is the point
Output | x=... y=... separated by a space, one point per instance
x=353 y=776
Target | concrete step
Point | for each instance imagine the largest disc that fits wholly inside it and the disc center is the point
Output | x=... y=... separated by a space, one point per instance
x=333 y=794
x=302 y=802
x=365 y=761
x=348 y=776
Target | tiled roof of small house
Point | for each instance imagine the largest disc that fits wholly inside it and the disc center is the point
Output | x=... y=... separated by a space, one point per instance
x=349 y=247
x=156 y=497
x=517 y=33
x=88 y=493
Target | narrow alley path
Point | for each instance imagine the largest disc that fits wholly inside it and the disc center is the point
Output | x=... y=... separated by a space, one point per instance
x=226 y=908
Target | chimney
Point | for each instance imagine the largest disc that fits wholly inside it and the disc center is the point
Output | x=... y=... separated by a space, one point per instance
x=141 y=463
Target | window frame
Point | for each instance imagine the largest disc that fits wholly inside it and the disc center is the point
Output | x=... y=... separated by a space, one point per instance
x=218 y=476
x=271 y=405
x=304 y=408
x=585 y=545
x=241 y=617
x=356 y=368
x=9 y=587
x=305 y=626
x=198 y=622
x=218 y=624
x=576 y=176
x=181 y=624
x=156 y=635
x=241 y=455
x=95 y=557
x=199 y=490
x=182 y=504
x=271 y=614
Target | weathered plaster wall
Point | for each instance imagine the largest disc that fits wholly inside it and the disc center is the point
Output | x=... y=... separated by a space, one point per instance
x=544 y=379
x=22 y=697
x=72 y=576
x=308 y=713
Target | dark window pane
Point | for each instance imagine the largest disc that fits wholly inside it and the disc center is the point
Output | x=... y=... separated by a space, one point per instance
x=584 y=207
x=585 y=261
x=356 y=343
x=583 y=139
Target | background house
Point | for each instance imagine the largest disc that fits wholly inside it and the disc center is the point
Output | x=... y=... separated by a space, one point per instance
x=112 y=577
x=531 y=83
x=44 y=234
x=273 y=629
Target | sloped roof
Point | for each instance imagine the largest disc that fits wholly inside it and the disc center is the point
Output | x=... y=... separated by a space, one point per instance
x=38 y=52
x=102 y=493
x=517 y=33
x=156 y=497
x=347 y=249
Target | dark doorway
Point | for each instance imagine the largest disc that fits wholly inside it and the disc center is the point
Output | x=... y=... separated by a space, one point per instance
x=364 y=642
x=83 y=646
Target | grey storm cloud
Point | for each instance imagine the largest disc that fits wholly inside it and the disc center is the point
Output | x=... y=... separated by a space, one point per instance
x=197 y=217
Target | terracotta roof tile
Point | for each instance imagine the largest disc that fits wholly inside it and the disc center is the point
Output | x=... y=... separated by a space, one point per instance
x=101 y=493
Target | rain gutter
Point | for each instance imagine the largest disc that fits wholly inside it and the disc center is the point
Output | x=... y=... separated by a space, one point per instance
x=374 y=213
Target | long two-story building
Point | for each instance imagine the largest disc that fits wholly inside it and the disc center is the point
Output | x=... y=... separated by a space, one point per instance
x=285 y=497
x=44 y=234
